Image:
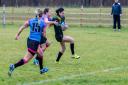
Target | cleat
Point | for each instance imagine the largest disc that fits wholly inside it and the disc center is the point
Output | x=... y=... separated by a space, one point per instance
x=57 y=62
x=11 y=69
x=75 y=56
x=44 y=70
x=35 y=62
x=114 y=30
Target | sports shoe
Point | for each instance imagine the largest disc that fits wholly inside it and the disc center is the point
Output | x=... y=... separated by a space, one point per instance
x=44 y=70
x=35 y=61
x=114 y=30
x=76 y=56
x=11 y=69
x=58 y=62
x=119 y=30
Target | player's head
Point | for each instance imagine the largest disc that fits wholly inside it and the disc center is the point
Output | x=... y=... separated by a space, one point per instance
x=60 y=12
x=47 y=12
x=116 y=1
x=38 y=12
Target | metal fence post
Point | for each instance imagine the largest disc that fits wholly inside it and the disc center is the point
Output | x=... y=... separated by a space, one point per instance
x=12 y=12
x=4 y=17
x=81 y=18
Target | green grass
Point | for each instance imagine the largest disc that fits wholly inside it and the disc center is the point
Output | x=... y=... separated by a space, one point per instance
x=99 y=48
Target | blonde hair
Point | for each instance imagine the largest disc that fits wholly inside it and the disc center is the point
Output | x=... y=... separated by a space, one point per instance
x=116 y=0
x=38 y=12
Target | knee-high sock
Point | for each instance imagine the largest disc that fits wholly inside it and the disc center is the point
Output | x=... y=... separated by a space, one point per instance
x=59 y=56
x=72 y=48
x=40 y=59
x=20 y=63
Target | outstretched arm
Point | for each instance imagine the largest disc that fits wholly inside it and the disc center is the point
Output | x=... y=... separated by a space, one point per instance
x=26 y=24
x=44 y=31
x=49 y=22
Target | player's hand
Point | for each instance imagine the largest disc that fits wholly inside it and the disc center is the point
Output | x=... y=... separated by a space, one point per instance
x=55 y=22
x=17 y=37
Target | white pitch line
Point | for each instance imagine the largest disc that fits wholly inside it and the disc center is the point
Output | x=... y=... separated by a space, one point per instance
x=74 y=76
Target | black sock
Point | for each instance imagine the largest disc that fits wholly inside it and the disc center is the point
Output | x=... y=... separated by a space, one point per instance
x=40 y=61
x=20 y=63
x=36 y=57
x=72 y=48
x=59 y=56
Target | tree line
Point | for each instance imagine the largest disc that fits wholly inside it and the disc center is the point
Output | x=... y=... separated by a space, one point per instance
x=69 y=3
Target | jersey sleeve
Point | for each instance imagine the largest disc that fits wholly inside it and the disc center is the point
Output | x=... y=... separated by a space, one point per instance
x=54 y=18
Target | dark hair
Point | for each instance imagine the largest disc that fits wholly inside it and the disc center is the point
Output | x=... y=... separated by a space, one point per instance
x=46 y=10
x=59 y=10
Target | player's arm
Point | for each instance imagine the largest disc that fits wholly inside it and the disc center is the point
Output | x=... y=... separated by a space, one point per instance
x=49 y=22
x=44 y=31
x=120 y=9
x=112 y=11
x=26 y=24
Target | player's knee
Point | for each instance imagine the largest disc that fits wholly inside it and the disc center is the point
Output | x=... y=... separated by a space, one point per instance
x=63 y=49
x=25 y=60
x=72 y=40
x=40 y=51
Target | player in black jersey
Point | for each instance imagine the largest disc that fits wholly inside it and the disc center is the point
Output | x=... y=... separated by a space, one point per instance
x=60 y=37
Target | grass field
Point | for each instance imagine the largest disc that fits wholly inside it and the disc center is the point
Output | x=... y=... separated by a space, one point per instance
x=104 y=58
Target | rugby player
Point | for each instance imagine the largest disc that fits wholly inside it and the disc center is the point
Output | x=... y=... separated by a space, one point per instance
x=60 y=37
x=48 y=20
x=37 y=25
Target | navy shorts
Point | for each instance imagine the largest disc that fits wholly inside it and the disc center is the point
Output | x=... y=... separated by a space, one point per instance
x=32 y=46
x=59 y=37
x=43 y=40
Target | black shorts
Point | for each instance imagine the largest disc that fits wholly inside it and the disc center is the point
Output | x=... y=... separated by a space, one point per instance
x=32 y=46
x=59 y=37
x=43 y=40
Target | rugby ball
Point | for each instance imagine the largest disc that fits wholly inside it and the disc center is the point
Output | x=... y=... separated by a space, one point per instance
x=64 y=26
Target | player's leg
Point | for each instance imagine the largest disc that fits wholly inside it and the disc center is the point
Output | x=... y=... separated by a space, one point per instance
x=32 y=50
x=59 y=38
x=47 y=44
x=119 y=25
x=35 y=61
x=114 y=22
x=44 y=45
x=21 y=62
x=71 y=41
x=63 y=48
x=39 y=57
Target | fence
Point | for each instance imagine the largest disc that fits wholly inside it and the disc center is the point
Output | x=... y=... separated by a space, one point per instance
x=74 y=16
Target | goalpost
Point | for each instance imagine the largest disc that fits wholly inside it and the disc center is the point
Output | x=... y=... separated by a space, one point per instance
x=4 y=17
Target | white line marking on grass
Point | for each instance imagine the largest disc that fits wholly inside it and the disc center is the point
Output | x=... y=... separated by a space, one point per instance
x=74 y=76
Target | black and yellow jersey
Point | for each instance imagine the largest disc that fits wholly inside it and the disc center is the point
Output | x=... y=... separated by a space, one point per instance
x=57 y=28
